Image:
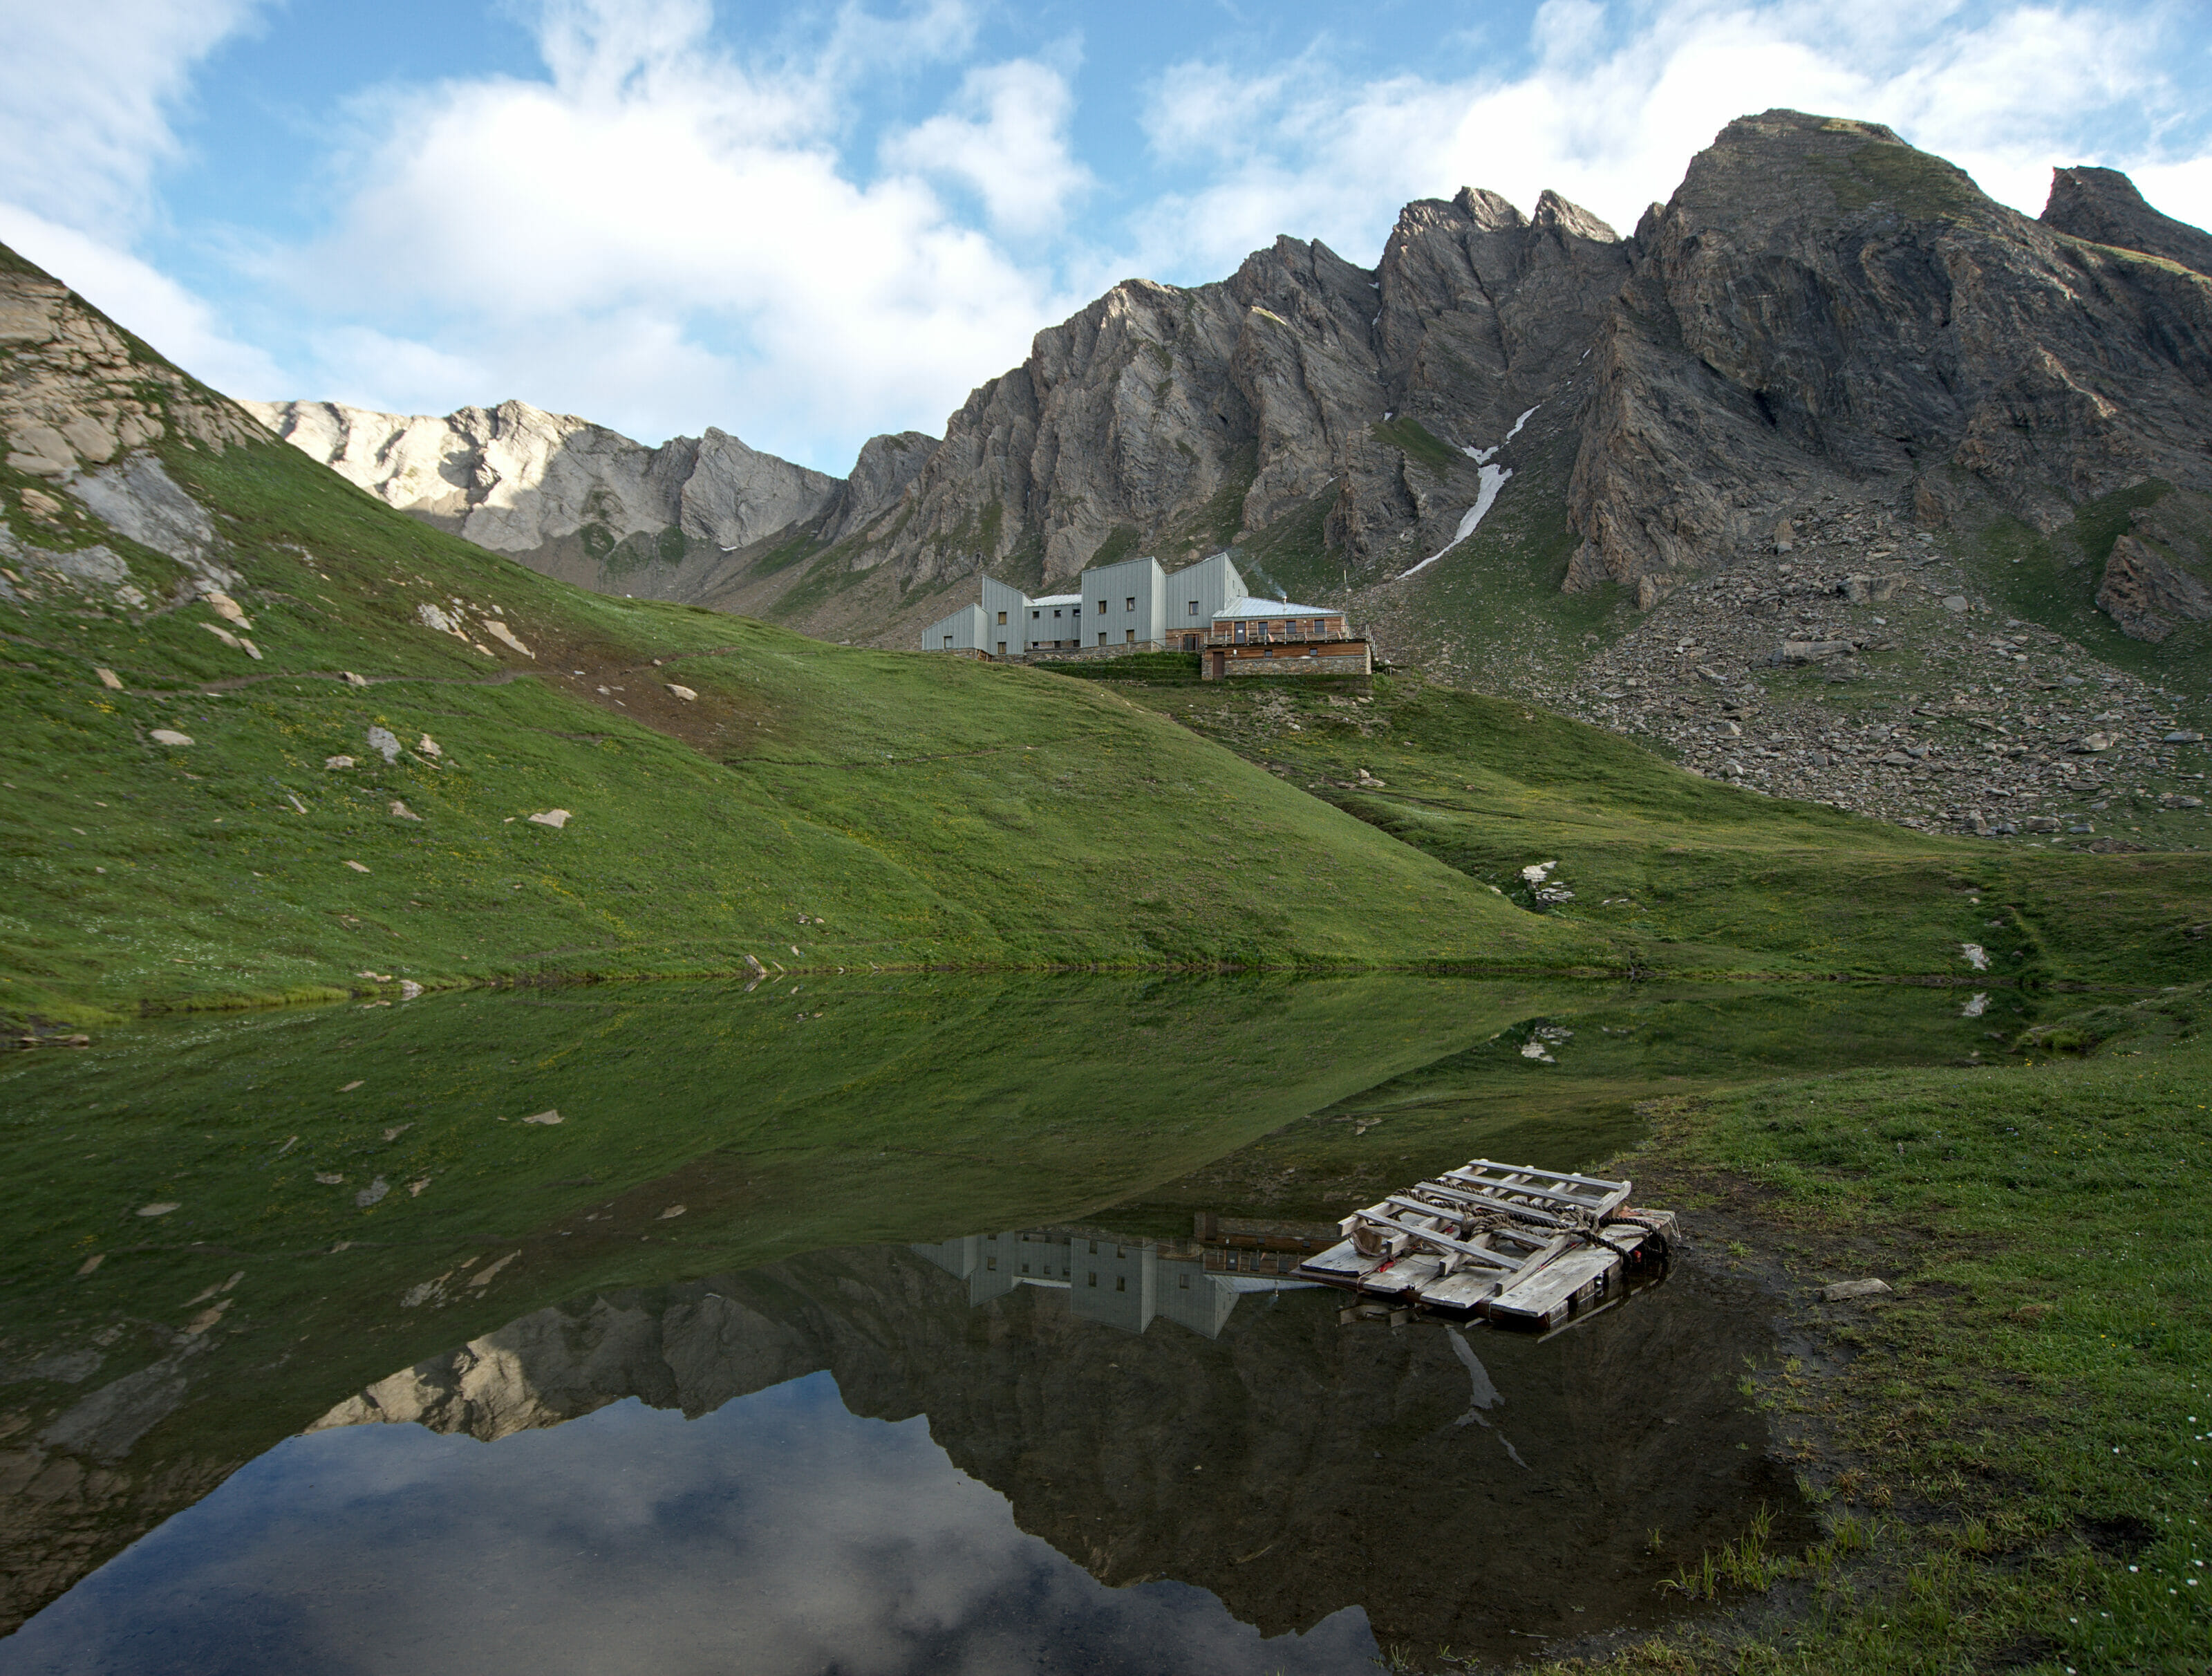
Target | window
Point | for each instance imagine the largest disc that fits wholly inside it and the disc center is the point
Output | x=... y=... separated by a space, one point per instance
x=1035 y=614
x=1102 y=637
x=1094 y=1248
x=1130 y=604
x=1094 y=1276
x=1055 y=611
x=1193 y=607
x=948 y=643
x=1121 y=1283
x=1025 y=1268
x=991 y=1262
x=1102 y=607
x=1182 y=1280
x=1002 y=617
x=1002 y=649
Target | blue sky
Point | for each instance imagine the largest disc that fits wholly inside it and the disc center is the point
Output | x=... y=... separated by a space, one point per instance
x=808 y=223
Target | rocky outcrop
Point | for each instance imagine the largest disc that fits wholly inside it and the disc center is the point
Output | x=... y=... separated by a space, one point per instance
x=2102 y=205
x=78 y=392
x=2144 y=592
x=1820 y=309
x=880 y=476
x=1179 y=421
x=85 y=406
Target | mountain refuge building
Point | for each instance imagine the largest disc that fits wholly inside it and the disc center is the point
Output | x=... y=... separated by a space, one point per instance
x=1135 y=606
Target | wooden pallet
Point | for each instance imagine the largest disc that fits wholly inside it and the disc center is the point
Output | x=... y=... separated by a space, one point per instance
x=1510 y=1243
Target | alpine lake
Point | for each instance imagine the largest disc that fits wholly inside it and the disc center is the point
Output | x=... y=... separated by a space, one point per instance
x=871 y=1324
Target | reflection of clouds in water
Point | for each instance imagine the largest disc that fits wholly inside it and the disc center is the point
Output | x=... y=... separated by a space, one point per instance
x=780 y=1533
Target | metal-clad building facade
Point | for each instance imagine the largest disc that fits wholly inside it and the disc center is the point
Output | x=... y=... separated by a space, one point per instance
x=1195 y=594
x=1133 y=604
x=1125 y=604
x=964 y=631
x=1005 y=617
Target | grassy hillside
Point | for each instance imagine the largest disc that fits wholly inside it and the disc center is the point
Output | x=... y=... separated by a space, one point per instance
x=1690 y=875
x=813 y=805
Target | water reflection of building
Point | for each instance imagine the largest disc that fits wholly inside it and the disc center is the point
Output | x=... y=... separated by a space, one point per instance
x=1127 y=1282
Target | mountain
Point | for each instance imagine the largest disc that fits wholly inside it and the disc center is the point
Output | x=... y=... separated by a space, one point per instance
x=278 y=740
x=574 y=500
x=1832 y=436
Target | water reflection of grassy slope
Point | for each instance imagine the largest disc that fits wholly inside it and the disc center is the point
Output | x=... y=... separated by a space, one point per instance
x=1697 y=876
x=908 y=1109
x=1612 y=1051
x=928 y=810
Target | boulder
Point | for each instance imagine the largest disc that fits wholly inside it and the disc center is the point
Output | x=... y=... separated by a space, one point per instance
x=2144 y=592
x=557 y=819
x=1843 y=1290
x=170 y=736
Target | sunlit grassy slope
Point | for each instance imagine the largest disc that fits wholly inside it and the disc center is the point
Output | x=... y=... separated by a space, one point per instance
x=857 y=806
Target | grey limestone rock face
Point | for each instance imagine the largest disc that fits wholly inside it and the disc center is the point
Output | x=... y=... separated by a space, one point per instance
x=515 y=477
x=1173 y=420
x=1820 y=307
x=2103 y=206
x=2144 y=592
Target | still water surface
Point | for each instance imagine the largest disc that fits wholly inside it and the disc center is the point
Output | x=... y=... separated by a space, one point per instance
x=687 y=1427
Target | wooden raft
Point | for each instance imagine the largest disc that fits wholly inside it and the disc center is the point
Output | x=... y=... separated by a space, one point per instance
x=1514 y=1245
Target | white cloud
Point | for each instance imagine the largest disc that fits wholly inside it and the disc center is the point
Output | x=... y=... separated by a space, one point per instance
x=143 y=300
x=661 y=234
x=86 y=93
x=1610 y=116
x=1006 y=141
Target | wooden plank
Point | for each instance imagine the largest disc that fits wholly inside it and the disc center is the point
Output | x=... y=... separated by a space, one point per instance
x=1494 y=1259
x=1466 y=1196
x=1553 y=1175
x=1548 y=1295
x=1526 y=1185
x=1469 y=1293
x=1407 y=1274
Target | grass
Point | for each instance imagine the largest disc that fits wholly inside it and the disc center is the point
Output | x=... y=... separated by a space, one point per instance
x=2012 y=1447
x=917 y=811
x=1416 y=442
x=1692 y=877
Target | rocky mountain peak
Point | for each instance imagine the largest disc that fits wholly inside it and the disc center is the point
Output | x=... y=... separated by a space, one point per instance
x=1554 y=211
x=1480 y=206
x=2103 y=206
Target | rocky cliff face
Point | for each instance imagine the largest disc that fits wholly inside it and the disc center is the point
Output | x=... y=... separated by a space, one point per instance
x=581 y=502
x=1821 y=309
x=1360 y=406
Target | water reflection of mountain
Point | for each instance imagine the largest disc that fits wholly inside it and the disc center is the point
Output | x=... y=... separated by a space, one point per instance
x=1466 y=1488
